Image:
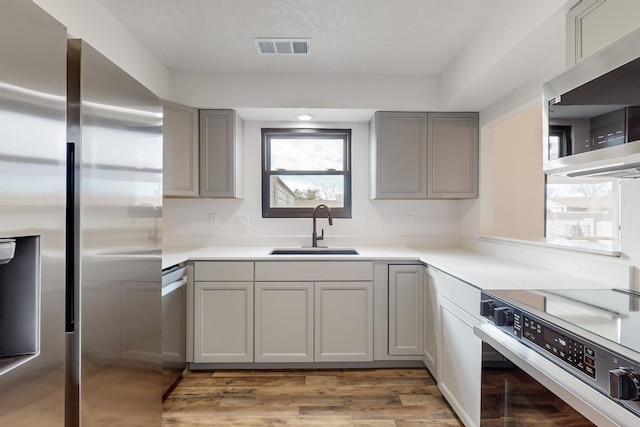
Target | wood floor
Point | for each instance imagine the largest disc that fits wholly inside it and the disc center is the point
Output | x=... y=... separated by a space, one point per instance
x=320 y=398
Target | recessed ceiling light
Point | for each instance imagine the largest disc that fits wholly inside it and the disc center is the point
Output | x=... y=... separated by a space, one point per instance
x=304 y=117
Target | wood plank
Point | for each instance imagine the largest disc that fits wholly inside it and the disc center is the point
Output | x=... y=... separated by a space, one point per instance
x=308 y=398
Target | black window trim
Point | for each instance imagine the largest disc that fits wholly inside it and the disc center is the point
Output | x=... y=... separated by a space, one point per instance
x=271 y=212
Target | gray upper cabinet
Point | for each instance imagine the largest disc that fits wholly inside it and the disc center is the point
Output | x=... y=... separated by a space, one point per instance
x=399 y=155
x=592 y=25
x=221 y=138
x=452 y=156
x=180 y=150
x=418 y=155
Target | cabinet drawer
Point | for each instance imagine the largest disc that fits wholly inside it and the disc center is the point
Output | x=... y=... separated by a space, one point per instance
x=314 y=270
x=230 y=271
x=466 y=296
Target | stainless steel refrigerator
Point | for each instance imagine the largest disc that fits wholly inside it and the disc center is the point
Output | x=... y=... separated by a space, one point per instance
x=80 y=227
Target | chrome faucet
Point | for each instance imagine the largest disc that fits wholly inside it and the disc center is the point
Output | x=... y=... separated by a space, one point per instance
x=314 y=236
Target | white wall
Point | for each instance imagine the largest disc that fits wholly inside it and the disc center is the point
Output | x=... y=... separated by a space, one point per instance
x=374 y=222
x=89 y=20
x=630 y=226
x=293 y=90
x=522 y=43
x=516 y=181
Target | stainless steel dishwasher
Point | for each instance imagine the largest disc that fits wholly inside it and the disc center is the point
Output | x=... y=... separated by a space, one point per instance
x=174 y=325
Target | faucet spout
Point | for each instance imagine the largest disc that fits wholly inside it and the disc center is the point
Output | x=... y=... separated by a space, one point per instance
x=314 y=235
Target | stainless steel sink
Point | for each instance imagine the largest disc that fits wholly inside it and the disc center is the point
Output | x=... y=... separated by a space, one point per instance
x=314 y=251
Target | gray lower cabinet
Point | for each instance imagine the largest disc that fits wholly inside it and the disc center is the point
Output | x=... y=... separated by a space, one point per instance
x=221 y=142
x=320 y=311
x=405 y=310
x=430 y=323
x=460 y=350
x=284 y=321
x=314 y=322
x=223 y=311
x=344 y=322
x=418 y=155
x=223 y=326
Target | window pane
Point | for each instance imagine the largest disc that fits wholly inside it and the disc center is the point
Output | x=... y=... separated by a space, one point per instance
x=302 y=191
x=583 y=209
x=309 y=154
x=554 y=147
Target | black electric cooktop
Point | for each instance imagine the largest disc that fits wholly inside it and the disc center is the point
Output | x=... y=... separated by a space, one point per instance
x=610 y=317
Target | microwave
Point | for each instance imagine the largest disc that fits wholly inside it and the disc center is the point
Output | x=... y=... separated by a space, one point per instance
x=591 y=115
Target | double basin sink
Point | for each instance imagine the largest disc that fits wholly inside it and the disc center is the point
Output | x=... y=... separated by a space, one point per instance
x=314 y=251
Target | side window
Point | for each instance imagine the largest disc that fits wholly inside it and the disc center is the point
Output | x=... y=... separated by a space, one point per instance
x=583 y=209
x=302 y=168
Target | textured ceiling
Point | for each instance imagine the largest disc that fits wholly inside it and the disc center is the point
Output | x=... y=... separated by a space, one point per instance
x=414 y=37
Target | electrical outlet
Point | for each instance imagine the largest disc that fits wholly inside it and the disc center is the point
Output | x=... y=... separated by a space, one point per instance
x=408 y=220
x=213 y=220
x=242 y=221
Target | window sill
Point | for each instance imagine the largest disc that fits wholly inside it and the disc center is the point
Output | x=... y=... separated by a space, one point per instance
x=599 y=248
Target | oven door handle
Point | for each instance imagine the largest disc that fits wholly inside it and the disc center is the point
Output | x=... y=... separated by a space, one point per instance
x=598 y=408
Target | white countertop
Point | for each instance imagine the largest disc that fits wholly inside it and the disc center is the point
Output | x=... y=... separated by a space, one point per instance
x=482 y=271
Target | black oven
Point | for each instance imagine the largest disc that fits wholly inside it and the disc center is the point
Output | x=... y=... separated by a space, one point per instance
x=553 y=358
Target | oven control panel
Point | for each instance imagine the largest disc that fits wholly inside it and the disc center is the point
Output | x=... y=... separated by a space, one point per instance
x=571 y=350
x=598 y=366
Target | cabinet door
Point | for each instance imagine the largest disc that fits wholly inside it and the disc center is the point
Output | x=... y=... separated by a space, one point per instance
x=399 y=150
x=430 y=325
x=220 y=153
x=592 y=25
x=284 y=322
x=459 y=362
x=180 y=150
x=343 y=322
x=453 y=155
x=405 y=310
x=223 y=324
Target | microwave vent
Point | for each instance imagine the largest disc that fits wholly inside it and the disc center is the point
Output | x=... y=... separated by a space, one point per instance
x=631 y=170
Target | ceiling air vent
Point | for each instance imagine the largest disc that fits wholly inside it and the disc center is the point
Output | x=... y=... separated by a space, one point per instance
x=282 y=46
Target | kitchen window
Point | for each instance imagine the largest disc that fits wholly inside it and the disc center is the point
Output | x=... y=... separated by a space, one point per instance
x=302 y=168
x=583 y=209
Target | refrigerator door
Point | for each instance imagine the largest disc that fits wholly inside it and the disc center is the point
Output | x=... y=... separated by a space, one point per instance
x=116 y=125
x=32 y=213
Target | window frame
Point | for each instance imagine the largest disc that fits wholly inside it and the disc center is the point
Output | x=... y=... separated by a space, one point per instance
x=304 y=133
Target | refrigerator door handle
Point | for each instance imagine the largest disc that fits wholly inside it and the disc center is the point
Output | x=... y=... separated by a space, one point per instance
x=70 y=239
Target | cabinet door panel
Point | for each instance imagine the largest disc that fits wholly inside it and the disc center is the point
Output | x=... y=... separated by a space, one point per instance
x=430 y=316
x=180 y=150
x=459 y=364
x=592 y=25
x=453 y=155
x=220 y=153
x=400 y=148
x=223 y=324
x=405 y=313
x=344 y=322
x=284 y=322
